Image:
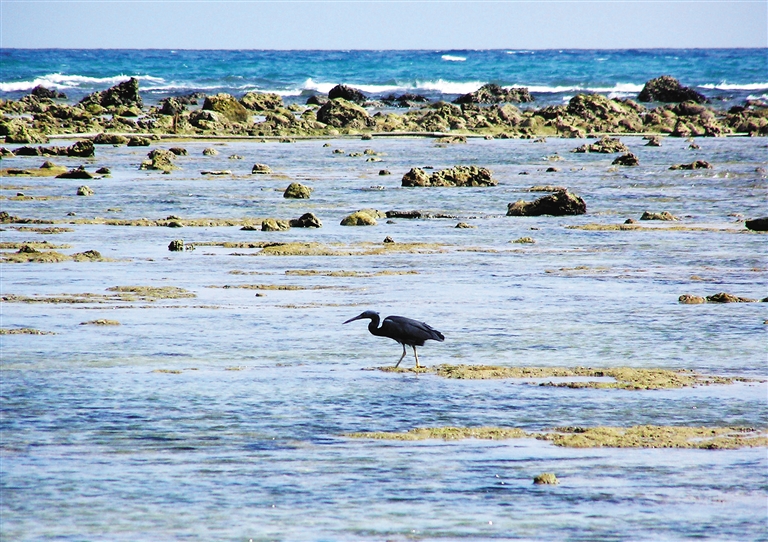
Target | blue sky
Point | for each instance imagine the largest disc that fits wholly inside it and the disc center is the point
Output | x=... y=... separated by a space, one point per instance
x=382 y=24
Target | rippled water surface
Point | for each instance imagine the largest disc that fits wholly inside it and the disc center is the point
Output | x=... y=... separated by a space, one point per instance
x=222 y=417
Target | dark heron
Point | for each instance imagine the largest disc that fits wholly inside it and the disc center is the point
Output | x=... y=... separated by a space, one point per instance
x=403 y=330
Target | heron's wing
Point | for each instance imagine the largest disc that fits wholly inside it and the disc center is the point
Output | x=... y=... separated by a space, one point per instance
x=409 y=331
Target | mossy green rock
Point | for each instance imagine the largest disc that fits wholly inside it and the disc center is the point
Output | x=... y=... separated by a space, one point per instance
x=228 y=106
x=297 y=191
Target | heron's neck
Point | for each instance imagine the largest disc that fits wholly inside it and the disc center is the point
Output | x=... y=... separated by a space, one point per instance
x=373 y=326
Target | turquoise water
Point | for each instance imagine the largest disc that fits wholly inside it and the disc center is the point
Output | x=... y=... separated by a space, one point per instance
x=244 y=440
x=727 y=76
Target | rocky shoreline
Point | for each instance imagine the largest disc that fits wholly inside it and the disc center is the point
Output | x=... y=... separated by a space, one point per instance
x=118 y=115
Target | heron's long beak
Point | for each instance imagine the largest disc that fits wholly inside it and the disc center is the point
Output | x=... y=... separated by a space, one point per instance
x=358 y=317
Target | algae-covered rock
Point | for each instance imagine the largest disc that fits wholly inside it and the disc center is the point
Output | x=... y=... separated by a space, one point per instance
x=724 y=297
x=560 y=203
x=606 y=145
x=258 y=101
x=524 y=240
x=307 y=220
x=110 y=139
x=346 y=93
x=757 y=224
x=228 y=106
x=690 y=299
x=668 y=89
x=446 y=433
x=125 y=94
x=455 y=176
x=261 y=169
x=546 y=478
x=77 y=173
x=696 y=164
x=177 y=245
x=341 y=113
x=274 y=224
x=150 y=293
x=24 y=331
x=85 y=191
x=664 y=215
x=160 y=159
x=100 y=322
x=364 y=217
x=297 y=191
x=81 y=149
x=492 y=94
x=210 y=151
x=138 y=141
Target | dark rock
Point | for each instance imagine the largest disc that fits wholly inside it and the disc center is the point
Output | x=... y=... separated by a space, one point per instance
x=48 y=165
x=179 y=151
x=558 y=204
x=653 y=141
x=159 y=159
x=177 y=245
x=137 y=141
x=605 y=145
x=698 y=164
x=172 y=106
x=627 y=159
x=77 y=173
x=257 y=101
x=29 y=151
x=347 y=93
x=724 y=297
x=104 y=171
x=316 y=99
x=85 y=191
x=307 y=220
x=404 y=214
x=341 y=113
x=41 y=92
x=81 y=149
x=125 y=94
x=757 y=224
x=297 y=191
x=226 y=105
x=668 y=89
x=262 y=169
x=388 y=240
x=210 y=151
x=110 y=139
x=455 y=176
x=385 y=172
x=493 y=94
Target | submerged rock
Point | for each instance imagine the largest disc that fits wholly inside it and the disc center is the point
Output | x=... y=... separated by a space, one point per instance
x=297 y=191
x=159 y=159
x=85 y=191
x=546 y=478
x=689 y=299
x=605 y=145
x=177 y=245
x=81 y=149
x=627 y=159
x=668 y=89
x=664 y=215
x=697 y=164
x=77 y=173
x=558 y=204
x=261 y=169
x=364 y=217
x=455 y=176
x=724 y=297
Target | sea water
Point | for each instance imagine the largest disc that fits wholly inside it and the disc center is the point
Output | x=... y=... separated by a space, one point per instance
x=223 y=416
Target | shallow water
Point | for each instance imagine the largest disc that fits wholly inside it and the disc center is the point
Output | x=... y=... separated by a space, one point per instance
x=245 y=438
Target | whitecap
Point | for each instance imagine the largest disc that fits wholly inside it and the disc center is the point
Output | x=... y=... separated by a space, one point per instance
x=735 y=86
x=60 y=82
x=452 y=58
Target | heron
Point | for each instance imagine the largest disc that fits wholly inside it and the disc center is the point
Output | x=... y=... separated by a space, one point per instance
x=403 y=330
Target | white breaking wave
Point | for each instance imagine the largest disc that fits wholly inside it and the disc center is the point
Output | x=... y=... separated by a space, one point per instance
x=59 y=81
x=736 y=86
x=451 y=58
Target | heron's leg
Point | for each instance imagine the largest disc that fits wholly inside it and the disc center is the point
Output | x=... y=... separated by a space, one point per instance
x=401 y=358
x=417 y=357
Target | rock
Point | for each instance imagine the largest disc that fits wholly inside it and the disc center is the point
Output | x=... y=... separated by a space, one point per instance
x=347 y=93
x=110 y=139
x=455 y=176
x=261 y=169
x=388 y=240
x=226 y=105
x=404 y=214
x=81 y=149
x=361 y=218
x=307 y=220
x=546 y=188
x=78 y=173
x=546 y=478
x=138 y=141
x=160 y=159
x=493 y=94
x=451 y=140
x=258 y=101
x=552 y=169
x=41 y=92
x=274 y=224
x=125 y=94
x=297 y=191
x=84 y=191
x=217 y=172
x=464 y=225
x=385 y=172
x=19 y=133
x=177 y=245
x=341 y=113
x=210 y=151
x=172 y=106
x=688 y=299
x=235 y=157
x=757 y=224
x=724 y=297
x=605 y=145
x=524 y=240
x=317 y=100
x=104 y=171
x=627 y=159
x=698 y=164
x=48 y=165
x=558 y=204
x=668 y=89
x=653 y=141
x=178 y=151
x=664 y=215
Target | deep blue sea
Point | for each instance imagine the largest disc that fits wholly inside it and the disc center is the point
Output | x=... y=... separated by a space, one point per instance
x=551 y=75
